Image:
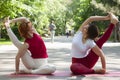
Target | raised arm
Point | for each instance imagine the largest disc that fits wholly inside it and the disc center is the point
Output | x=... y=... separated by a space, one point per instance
x=94 y=18
x=20 y=19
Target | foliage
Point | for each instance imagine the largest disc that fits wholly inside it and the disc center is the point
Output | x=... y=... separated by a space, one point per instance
x=63 y=12
x=109 y=6
x=40 y=12
x=82 y=9
x=3 y=42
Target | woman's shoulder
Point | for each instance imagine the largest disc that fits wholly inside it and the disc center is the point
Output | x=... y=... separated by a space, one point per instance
x=25 y=45
x=78 y=33
x=91 y=42
x=77 y=37
x=36 y=34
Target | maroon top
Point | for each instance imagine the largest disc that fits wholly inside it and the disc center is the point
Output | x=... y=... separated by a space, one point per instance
x=37 y=46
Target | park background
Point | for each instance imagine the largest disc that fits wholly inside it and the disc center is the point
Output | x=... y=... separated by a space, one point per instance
x=67 y=15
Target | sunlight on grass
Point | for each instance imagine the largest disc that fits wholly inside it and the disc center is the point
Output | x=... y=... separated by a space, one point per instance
x=5 y=42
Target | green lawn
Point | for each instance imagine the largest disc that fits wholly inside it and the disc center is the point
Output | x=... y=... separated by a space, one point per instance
x=5 y=42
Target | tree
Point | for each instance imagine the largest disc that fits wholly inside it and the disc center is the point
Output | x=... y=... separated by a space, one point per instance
x=18 y=8
x=40 y=12
x=109 y=6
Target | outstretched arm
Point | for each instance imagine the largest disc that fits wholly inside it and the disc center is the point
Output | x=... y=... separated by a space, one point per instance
x=93 y=18
x=20 y=19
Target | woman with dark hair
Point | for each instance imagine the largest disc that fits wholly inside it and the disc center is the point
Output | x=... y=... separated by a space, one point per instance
x=86 y=50
x=32 y=52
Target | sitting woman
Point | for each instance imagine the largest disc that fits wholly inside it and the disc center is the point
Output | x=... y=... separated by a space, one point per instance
x=86 y=50
x=32 y=52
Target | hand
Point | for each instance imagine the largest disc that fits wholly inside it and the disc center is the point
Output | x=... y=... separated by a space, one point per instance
x=107 y=17
x=103 y=71
x=100 y=71
x=17 y=72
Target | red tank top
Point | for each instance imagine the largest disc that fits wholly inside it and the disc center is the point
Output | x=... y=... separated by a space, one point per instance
x=37 y=47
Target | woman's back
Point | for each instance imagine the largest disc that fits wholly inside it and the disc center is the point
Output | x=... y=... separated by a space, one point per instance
x=37 y=46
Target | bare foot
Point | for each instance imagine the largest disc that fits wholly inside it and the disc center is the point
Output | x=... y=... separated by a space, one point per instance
x=114 y=19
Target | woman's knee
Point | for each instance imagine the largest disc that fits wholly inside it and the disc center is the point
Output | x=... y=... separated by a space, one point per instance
x=51 y=68
x=74 y=67
x=77 y=68
x=48 y=69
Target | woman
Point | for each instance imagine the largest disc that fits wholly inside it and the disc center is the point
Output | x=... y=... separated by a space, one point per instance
x=33 y=52
x=84 y=59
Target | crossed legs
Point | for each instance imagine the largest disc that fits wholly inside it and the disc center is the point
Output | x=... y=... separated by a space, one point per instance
x=36 y=66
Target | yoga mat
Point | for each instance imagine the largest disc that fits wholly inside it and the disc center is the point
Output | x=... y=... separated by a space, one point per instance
x=68 y=74
x=56 y=73
x=110 y=73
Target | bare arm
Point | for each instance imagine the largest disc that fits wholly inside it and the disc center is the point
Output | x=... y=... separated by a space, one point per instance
x=21 y=52
x=99 y=52
x=93 y=18
x=20 y=19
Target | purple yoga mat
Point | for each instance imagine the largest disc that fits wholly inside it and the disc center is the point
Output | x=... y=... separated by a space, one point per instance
x=56 y=73
x=110 y=73
x=68 y=74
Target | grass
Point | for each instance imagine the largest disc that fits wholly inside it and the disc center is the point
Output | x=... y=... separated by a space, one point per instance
x=5 y=42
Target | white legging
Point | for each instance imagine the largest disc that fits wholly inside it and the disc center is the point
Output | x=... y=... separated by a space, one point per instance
x=37 y=66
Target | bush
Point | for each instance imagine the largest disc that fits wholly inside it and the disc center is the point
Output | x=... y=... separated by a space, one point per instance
x=5 y=35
